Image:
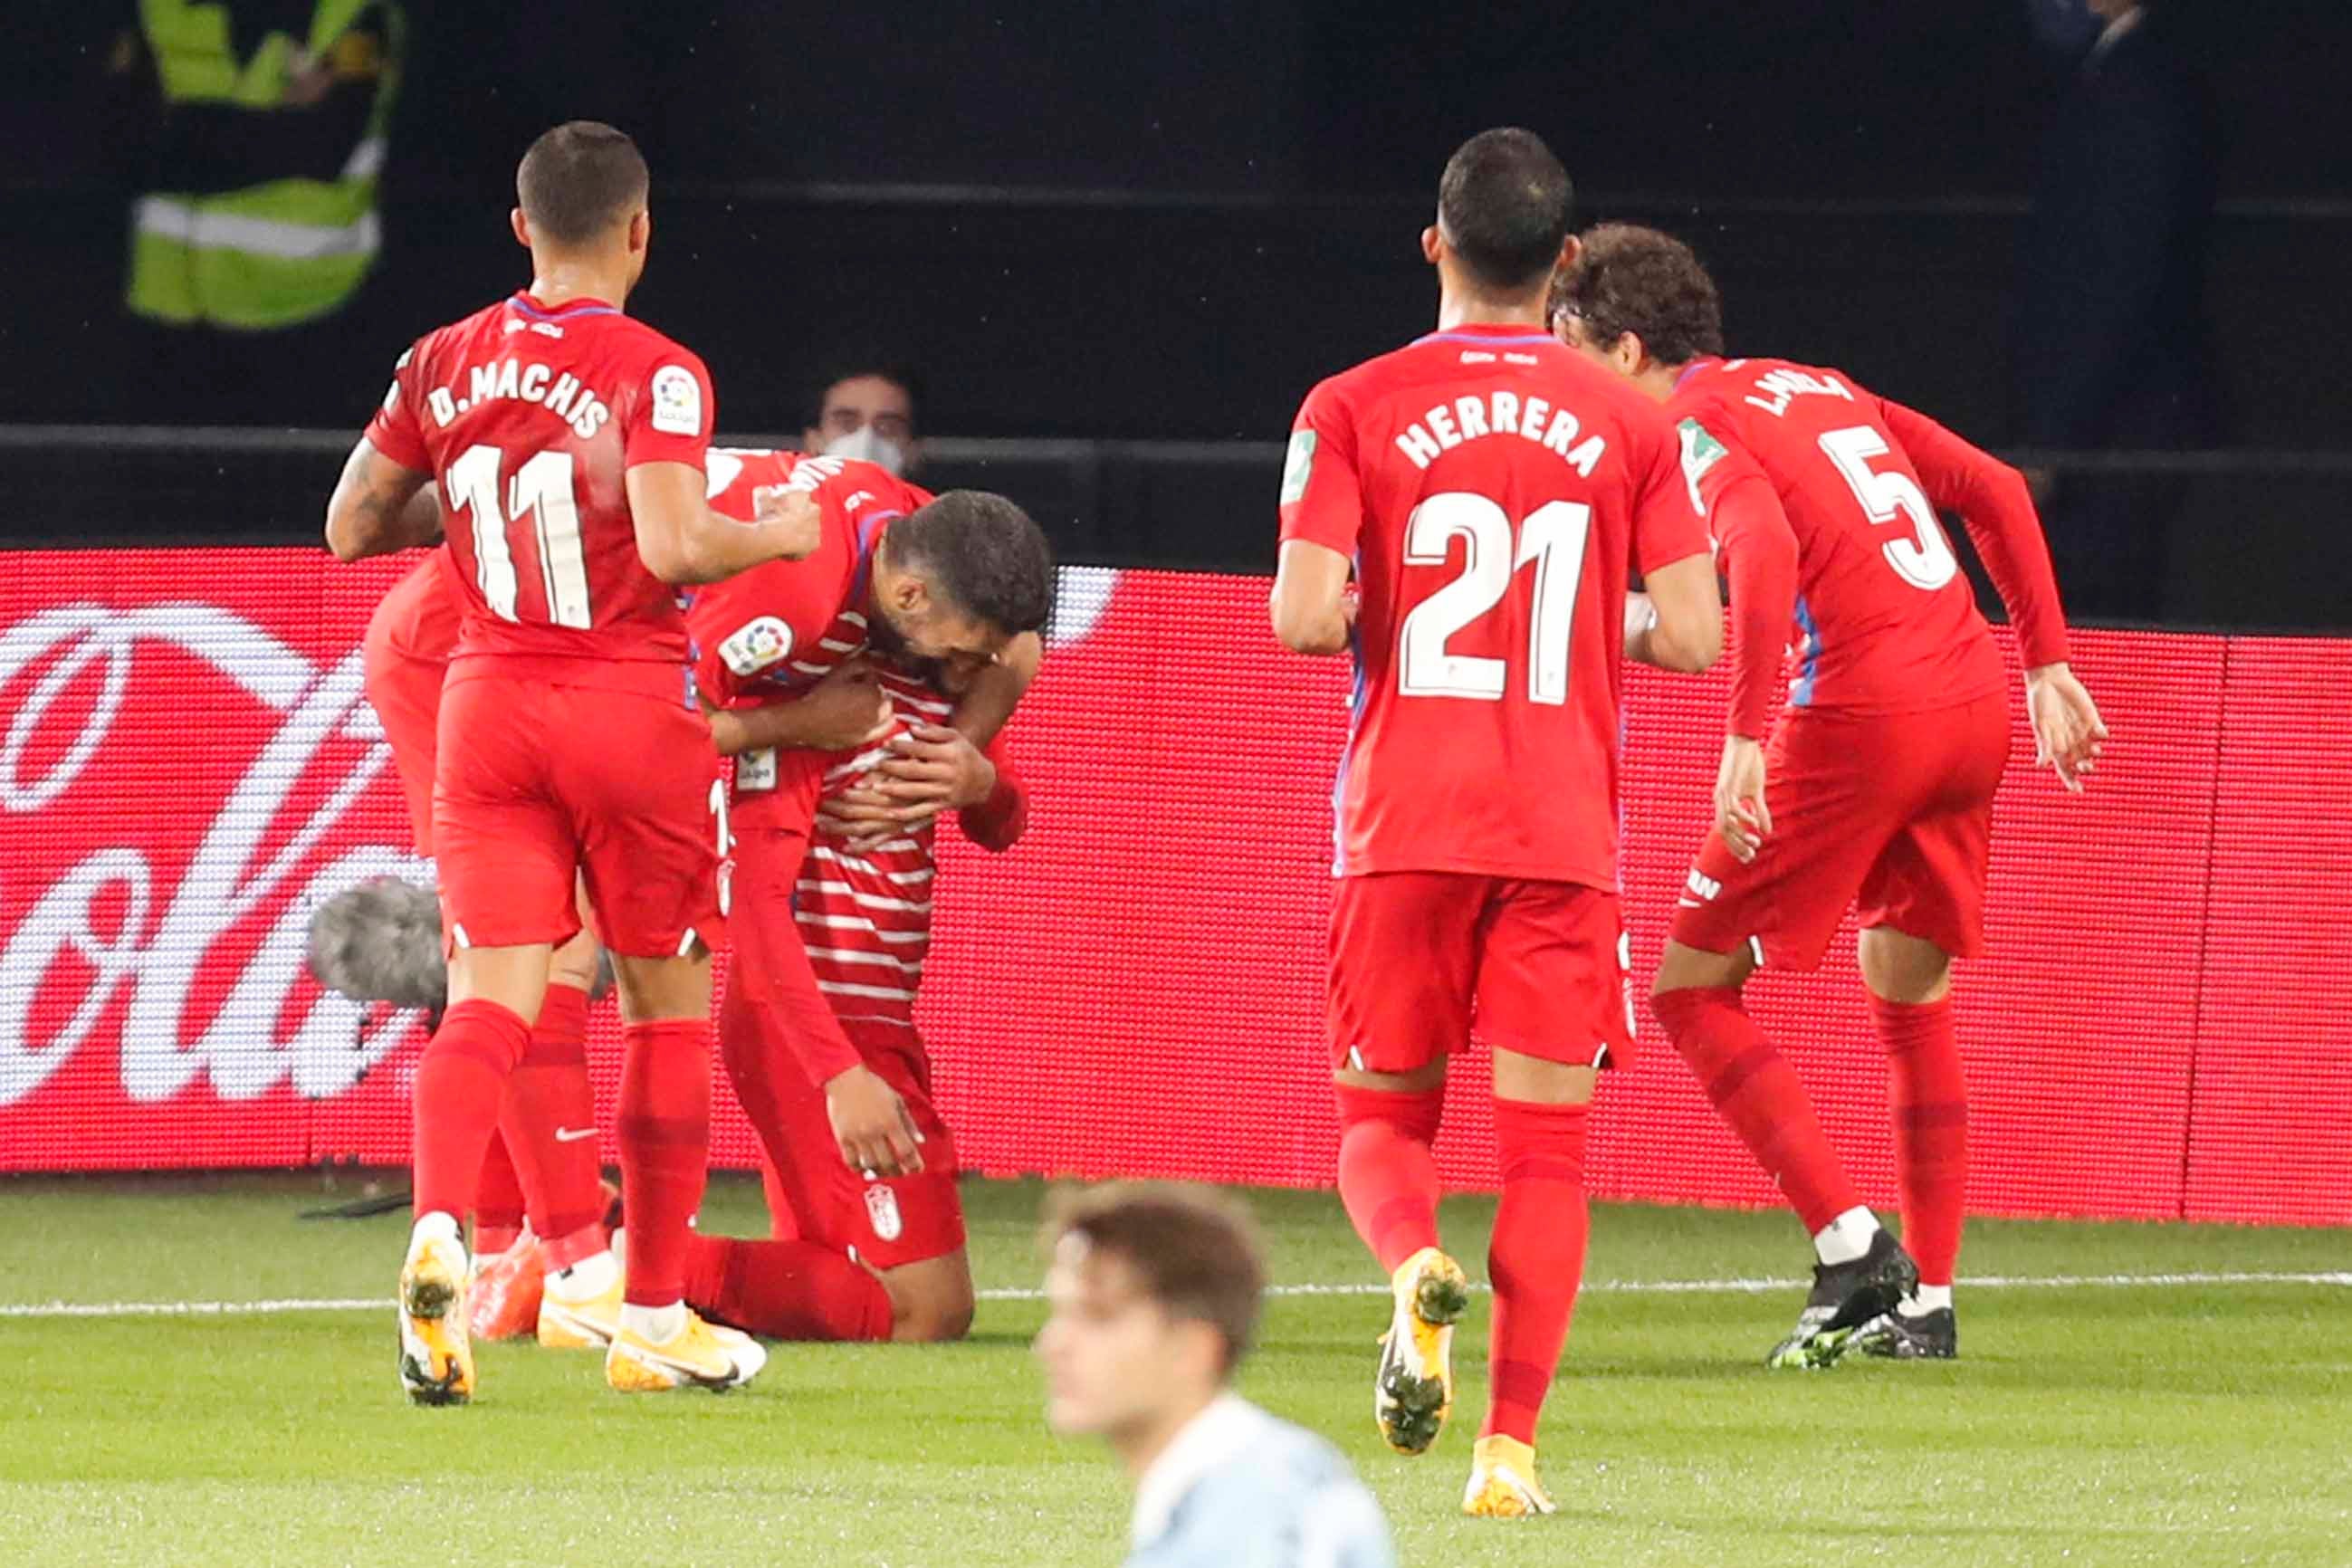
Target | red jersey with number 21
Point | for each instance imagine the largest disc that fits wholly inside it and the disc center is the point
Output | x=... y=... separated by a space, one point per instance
x=530 y=420
x=1495 y=490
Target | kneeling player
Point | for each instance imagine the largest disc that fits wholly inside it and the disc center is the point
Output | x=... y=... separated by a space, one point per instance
x=816 y=1024
x=1883 y=766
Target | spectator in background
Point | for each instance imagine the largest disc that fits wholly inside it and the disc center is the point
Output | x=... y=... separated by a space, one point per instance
x=872 y=415
x=2110 y=350
x=1154 y=1295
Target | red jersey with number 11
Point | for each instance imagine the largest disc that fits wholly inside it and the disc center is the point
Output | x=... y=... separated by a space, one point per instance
x=1494 y=491
x=530 y=418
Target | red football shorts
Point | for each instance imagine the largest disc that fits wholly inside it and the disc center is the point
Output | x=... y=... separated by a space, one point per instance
x=1422 y=959
x=537 y=781
x=889 y=1223
x=1892 y=813
x=405 y=692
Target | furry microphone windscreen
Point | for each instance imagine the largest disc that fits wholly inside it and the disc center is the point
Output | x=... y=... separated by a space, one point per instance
x=381 y=941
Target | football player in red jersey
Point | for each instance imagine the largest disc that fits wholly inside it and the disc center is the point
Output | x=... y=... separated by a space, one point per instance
x=551 y=1109
x=567 y=442
x=1490 y=492
x=827 y=682
x=1882 y=767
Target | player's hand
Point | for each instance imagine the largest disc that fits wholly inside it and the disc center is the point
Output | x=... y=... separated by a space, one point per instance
x=792 y=517
x=1740 y=814
x=867 y=818
x=877 y=1135
x=2068 y=733
x=846 y=709
x=930 y=763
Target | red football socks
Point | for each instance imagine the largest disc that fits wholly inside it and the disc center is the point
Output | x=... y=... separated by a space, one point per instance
x=665 y=1138
x=550 y=1122
x=1536 y=1258
x=460 y=1082
x=1755 y=1089
x=499 y=1205
x=1388 y=1175
x=1930 y=1101
x=784 y=1289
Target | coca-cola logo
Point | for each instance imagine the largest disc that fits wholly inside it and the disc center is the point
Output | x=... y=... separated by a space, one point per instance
x=113 y=745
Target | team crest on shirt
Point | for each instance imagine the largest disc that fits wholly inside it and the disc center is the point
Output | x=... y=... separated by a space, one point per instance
x=882 y=1209
x=755 y=645
x=678 y=401
x=1298 y=467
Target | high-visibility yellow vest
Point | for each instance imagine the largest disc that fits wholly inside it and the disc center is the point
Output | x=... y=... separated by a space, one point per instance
x=284 y=251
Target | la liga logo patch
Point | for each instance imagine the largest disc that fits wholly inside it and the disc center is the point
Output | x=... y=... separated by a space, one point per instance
x=755 y=645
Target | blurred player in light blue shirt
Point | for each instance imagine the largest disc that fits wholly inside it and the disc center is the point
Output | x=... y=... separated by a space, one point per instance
x=1154 y=1294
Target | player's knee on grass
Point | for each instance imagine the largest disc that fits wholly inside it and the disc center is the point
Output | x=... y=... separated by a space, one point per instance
x=931 y=1302
x=1682 y=968
x=1902 y=968
x=658 y=988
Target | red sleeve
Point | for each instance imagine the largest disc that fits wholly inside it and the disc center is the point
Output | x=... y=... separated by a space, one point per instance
x=671 y=411
x=394 y=431
x=1992 y=501
x=1760 y=555
x=1669 y=518
x=1322 y=488
x=772 y=963
x=997 y=823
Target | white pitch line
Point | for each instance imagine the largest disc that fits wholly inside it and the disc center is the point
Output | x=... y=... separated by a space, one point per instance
x=1597 y=1286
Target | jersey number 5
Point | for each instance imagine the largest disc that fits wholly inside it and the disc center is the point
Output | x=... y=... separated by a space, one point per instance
x=1925 y=560
x=1552 y=536
x=541 y=490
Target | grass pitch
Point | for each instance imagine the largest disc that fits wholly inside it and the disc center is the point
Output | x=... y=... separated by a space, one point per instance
x=2186 y=1419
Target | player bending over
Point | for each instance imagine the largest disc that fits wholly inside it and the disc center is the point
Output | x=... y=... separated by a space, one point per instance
x=829 y=678
x=1490 y=491
x=567 y=441
x=1882 y=767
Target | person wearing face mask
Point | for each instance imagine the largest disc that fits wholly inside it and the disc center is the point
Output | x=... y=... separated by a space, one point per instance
x=871 y=415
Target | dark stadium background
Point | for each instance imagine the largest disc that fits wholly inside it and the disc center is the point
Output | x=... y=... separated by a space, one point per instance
x=1124 y=237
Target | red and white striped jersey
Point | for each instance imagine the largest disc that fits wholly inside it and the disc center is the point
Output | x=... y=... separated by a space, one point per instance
x=865 y=916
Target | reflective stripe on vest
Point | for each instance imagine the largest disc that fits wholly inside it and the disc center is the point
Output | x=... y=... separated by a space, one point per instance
x=270 y=255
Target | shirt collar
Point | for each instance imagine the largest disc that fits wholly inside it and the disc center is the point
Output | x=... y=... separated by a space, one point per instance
x=1223 y=1429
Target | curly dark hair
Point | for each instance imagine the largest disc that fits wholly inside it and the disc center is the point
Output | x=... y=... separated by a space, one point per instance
x=982 y=553
x=1627 y=279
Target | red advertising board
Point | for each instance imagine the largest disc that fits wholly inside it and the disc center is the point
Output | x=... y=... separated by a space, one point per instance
x=187 y=767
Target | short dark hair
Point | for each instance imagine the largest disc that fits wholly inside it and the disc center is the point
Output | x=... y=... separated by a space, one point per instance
x=1195 y=1250
x=1628 y=278
x=579 y=180
x=983 y=553
x=906 y=378
x=1505 y=206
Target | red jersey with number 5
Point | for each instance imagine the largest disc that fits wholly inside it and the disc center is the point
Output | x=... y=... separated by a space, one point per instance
x=1494 y=491
x=1886 y=622
x=530 y=418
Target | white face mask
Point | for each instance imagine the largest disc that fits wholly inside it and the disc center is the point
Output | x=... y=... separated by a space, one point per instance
x=864 y=446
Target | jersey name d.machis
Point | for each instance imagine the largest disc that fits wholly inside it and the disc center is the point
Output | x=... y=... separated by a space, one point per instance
x=1494 y=491
x=1886 y=620
x=776 y=630
x=529 y=418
